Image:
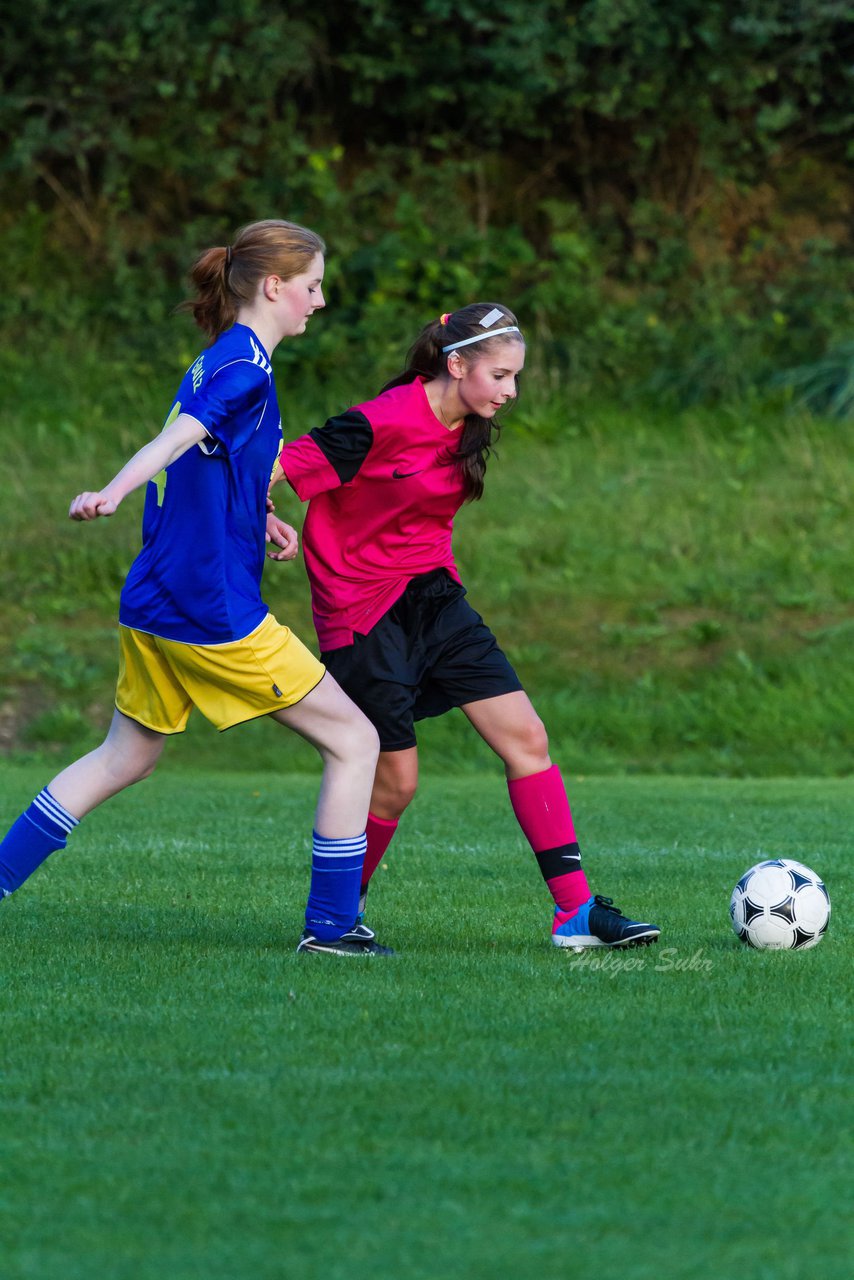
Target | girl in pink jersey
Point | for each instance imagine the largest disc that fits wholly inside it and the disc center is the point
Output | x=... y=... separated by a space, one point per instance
x=383 y=482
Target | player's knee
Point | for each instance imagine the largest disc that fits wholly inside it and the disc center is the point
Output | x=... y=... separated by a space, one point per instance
x=404 y=793
x=142 y=760
x=129 y=772
x=363 y=743
x=531 y=742
x=146 y=768
x=393 y=793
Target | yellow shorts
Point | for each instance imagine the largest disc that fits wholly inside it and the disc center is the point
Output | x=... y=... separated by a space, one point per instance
x=160 y=681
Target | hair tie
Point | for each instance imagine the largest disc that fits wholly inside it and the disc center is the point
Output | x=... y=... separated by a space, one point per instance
x=228 y=256
x=445 y=317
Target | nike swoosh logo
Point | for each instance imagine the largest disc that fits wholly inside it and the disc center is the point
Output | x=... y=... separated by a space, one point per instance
x=403 y=475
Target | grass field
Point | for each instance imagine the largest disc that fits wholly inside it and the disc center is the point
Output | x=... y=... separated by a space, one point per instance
x=183 y=1097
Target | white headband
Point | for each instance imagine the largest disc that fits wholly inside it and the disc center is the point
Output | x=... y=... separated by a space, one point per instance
x=479 y=337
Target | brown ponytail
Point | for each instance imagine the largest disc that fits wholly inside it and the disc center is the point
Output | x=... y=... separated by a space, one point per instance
x=427 y=360
x=227 y=277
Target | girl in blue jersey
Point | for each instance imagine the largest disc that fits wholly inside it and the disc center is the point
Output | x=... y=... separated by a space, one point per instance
x=194 y=630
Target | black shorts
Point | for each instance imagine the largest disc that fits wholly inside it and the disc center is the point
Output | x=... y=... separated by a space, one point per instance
x=429 y=653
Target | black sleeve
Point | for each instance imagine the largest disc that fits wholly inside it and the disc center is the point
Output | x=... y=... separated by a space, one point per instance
x=345 y=441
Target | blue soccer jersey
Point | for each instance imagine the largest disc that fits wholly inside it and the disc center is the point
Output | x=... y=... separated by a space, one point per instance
x=197 y=578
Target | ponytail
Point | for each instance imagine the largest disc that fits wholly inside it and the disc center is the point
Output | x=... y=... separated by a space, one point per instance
x=214 y=308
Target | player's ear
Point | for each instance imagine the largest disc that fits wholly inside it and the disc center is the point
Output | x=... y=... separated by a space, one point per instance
x=271 y=286
x=456 y=368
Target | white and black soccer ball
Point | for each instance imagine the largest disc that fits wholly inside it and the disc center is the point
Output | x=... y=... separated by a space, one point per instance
x=780 y=905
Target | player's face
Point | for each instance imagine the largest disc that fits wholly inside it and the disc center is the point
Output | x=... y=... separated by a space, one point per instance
x=298 y=298
x=488 y=381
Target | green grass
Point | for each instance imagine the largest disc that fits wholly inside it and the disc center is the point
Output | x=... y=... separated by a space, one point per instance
x=675 y=589
x=184 y=1097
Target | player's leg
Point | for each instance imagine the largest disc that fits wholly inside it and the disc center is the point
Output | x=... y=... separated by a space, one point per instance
x=395 y=784
x=128 y=754
x=511 y=727
x=271 y=673
x=514 y=731
x=348 y=746
x=380 y=671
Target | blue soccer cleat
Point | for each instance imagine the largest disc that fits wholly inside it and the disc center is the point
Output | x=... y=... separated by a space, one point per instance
x=598 y=923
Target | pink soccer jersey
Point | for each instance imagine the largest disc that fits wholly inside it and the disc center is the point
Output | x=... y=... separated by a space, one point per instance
x=382 y=498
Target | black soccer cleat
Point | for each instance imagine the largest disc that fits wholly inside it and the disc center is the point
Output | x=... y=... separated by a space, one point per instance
x=598 y=923
x=358 y=941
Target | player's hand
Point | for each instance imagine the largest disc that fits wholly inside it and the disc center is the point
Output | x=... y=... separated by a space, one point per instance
x=281 y=535
x=88 y=506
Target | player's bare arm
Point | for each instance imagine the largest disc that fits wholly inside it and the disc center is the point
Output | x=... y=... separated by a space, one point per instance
x=145 y=464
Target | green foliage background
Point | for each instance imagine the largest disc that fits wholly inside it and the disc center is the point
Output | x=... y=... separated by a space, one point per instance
x=661 y=190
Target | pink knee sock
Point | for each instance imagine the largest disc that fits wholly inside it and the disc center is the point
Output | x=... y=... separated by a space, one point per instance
x=379 y=832
x=542 y=811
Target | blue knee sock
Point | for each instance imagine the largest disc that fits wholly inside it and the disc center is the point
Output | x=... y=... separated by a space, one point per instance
x=38 y=832
x=336 y=873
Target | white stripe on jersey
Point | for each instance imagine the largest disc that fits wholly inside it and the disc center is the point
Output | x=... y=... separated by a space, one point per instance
x=260 y=358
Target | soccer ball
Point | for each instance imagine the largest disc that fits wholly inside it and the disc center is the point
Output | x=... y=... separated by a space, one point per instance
x=780 y=905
